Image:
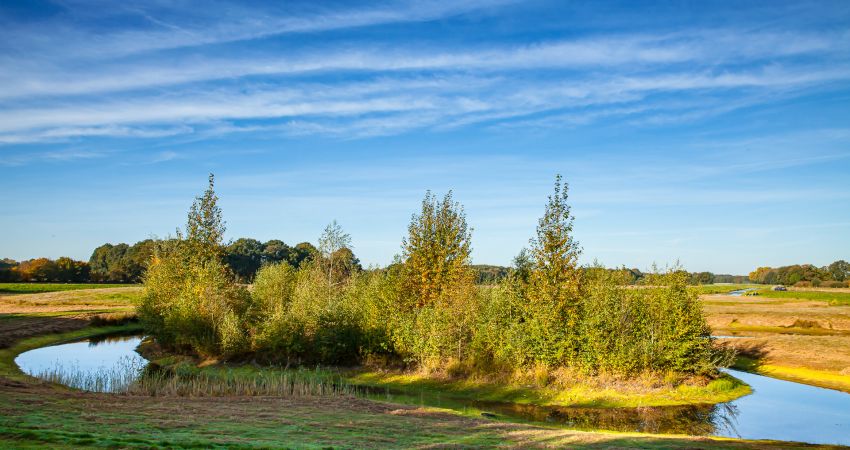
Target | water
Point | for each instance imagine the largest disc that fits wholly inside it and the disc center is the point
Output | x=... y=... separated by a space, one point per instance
x=788 y=411
x=104 y=364
x=777 y=409
x=739 y=292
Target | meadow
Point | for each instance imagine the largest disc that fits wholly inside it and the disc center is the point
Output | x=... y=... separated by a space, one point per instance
x=832 y=296
x=36 y=288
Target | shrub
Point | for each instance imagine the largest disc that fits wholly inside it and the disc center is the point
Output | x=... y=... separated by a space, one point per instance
x=194 y=305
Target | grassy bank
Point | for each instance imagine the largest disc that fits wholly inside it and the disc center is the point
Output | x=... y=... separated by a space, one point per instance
x=577 y=393
x=821 y=378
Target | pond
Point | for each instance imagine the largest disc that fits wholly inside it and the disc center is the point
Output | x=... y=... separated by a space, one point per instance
x=102 y=364
x=777 y=409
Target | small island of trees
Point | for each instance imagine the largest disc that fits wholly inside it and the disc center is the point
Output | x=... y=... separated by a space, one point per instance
x=424 y=311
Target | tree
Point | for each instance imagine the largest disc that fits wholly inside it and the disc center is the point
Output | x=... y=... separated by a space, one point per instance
x=839 y=270
x=554 y=289
x=302 y=253
x=276 y=251
x=70 y=270
x=437 y=249
x=332 y=240
x=244 y=256
x=39 y=269
x=205 y=227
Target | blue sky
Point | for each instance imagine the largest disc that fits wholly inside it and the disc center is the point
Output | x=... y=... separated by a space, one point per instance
x=713 y=133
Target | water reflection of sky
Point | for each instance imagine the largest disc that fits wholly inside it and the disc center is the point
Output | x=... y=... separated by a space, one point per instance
x=788 y=411
x=84 y=356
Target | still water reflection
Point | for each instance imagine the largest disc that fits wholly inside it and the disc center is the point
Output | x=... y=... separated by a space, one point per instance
x=777 y=409
x=102 y=364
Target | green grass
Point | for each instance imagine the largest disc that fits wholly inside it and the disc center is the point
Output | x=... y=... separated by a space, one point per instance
x=833 y=298
x=37 y=288
x=719 y=390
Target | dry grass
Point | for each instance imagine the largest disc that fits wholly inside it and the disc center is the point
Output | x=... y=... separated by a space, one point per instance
x=118 y=298
x=800 y=340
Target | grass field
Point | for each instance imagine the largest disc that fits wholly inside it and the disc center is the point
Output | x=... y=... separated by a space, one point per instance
x=833 y=297
x=36 y=288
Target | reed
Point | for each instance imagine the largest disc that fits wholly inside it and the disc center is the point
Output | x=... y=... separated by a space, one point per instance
x=131 y=377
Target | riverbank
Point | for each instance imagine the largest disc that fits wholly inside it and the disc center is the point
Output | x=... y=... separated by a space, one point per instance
x=581 y=392
x=36 y=415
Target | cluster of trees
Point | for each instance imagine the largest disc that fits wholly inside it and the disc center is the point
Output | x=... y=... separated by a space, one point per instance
x=245 y=256
x=425 y=308
x=836 y=274
x=64 y=270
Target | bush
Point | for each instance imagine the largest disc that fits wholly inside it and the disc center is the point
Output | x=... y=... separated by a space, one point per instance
x=194 y=305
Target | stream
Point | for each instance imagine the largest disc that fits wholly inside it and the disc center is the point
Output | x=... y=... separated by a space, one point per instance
x=777 y=409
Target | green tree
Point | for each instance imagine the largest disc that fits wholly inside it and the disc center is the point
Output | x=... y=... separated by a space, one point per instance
x=436 y=252
x=839 y=270
x=554 y=287
x=191 y=300
x=205 y=227
x=302 y=253
x=332 y=240
x=275 y=251
x=244 y=256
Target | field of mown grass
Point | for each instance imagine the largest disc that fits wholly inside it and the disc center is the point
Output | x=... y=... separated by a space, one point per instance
x=36 y=415
x=833 y=297
x=36 y=288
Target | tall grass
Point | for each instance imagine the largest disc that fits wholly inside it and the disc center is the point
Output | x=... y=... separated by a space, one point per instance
x=118 y=378
x=133 y=377
x=277 y=383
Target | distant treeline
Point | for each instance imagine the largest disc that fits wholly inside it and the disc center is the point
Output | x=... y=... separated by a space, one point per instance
x=487 y=274
x=836 y=274
x=123 y=263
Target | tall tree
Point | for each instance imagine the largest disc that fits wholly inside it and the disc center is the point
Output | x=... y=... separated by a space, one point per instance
x=205 y=226
x=332 y=240
x=554 y=289
x=437 y=249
